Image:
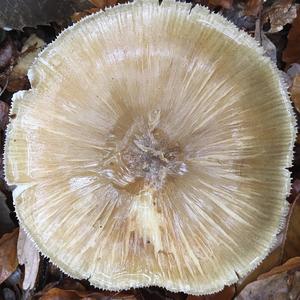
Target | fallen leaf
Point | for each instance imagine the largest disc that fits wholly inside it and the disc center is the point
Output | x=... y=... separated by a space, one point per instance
x=280 y=13
x=295 y=92
x=236 y=15
x=287 y=266
x=7 y=53
x=60 y=294
x=226 y=294
x=18 y=78
x=98 y=3
x=294 y=190
x=30 y=258
x=30 y=13
x=13 y=282
x=8 y=254
x=291 y=54
x=18 y=83
x=6 y=223
x=282 y=282
x=103 y=3
x=81 y=14
x=291 y=246
x=14 y=279
x=269 y=47
x=71 y=284
x=280 y=287
x=8 y=294
x=4 y=111
x=32 y=46
x=292 y=72
x=253 y=7
x=222 y=3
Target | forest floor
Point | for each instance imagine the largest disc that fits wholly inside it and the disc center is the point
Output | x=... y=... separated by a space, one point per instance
x=25 y=28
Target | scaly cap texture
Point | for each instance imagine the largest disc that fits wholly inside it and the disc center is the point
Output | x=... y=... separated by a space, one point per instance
x=152 y=149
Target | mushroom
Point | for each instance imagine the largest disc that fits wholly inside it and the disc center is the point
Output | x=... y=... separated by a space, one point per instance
x=152 y=149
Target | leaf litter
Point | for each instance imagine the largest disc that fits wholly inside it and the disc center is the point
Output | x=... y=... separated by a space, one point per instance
x=8 y=254
x=30 y=258
x=276 y=26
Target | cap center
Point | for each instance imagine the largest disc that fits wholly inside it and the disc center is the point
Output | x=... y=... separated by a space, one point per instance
x=145 y=157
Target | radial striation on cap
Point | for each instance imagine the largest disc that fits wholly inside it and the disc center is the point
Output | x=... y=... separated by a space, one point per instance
x=152 y=149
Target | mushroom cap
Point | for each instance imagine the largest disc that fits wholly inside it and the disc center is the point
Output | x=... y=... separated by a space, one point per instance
x=152 y=149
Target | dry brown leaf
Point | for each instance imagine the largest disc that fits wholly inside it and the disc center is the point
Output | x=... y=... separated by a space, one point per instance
x=98 y=3
x=4 y=110
x=28 y=256
x=18 y=83
x=8 y=254
x=291 y=54
x=60 y=294
x=291 y=247
x=7 y=53
x=236 y=15
x=282 y=282
x=253 y=7
x=6 y=223
x=81 y=14
x=223 y=3
x=103 y=3
x=70 y=284
x=18 y=77
x=287 y=266
x=226 y=294
x=280 y=13
x=295 y=92
x=32 y=46
x=278 y=287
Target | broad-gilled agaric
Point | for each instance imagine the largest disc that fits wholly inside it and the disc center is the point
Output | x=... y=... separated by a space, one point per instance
x=152 y=149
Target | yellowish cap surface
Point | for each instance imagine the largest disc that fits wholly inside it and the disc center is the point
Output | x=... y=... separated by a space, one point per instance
x=152 y=149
